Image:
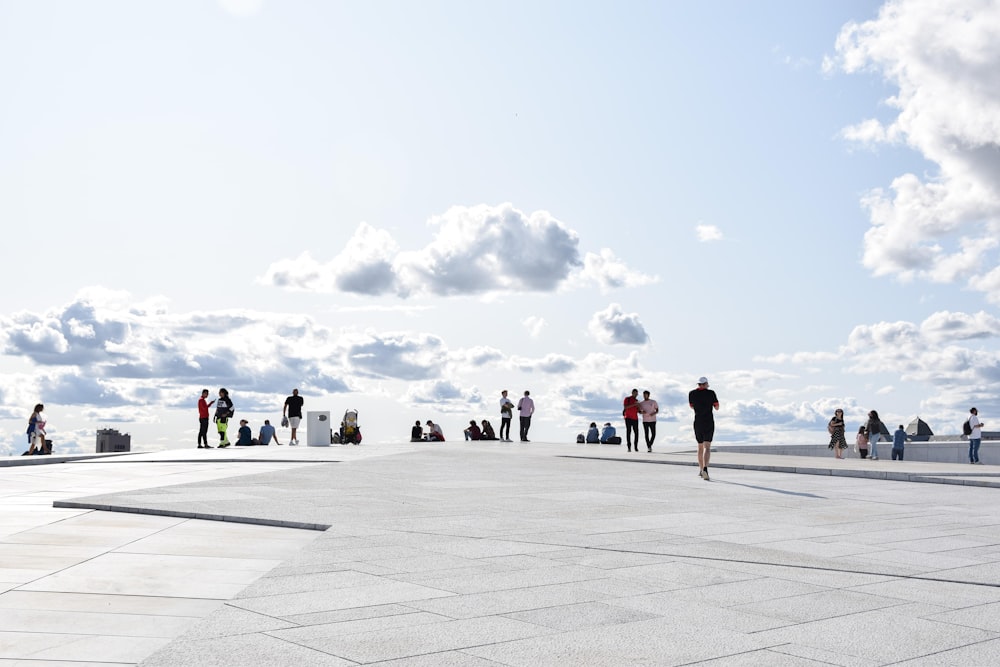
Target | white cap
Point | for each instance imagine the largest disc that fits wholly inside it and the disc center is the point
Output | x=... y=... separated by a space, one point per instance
x=703 y=380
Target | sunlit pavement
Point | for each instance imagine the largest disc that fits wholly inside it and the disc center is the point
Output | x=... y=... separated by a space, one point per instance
x=497 y=553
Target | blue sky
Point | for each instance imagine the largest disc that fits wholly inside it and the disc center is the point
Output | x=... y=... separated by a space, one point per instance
x=406 y=207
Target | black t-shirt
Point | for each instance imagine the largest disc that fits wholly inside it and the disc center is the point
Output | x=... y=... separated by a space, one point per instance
x=703 y=401
x=294 y=404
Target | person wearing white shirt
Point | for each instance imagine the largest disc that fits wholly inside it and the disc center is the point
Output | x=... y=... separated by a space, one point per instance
x=976 y=437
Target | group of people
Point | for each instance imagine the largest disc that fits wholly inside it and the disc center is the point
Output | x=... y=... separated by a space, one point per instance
x=607 y=435
x=433 y=434
x=871 y=431
x=291 y=415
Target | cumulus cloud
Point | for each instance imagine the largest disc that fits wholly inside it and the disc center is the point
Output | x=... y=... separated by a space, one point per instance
x=612 y=326
x=475 y=250
x=394 y=355
x=605 y=271
x=942 y=59
x=443 y=396
x=534 y=324
x=708 y=233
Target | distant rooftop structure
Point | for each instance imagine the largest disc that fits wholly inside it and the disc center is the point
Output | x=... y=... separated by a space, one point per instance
x=918 y=430
x=110 y=440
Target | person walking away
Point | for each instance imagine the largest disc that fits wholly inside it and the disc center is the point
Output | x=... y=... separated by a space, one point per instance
x=223 y=411
x=898 y=441
x=525 y=408
x=874 y=433
x=506 y=414
x=267 y=433
x=203 y=407
x=648 y=408
x=861 y=442
x=838 y=443
x=293 y=412
x=630 y=412
x=703 y=401
x=975 y=436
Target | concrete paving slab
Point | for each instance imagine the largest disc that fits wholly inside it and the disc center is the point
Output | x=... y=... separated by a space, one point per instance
x=599 y=559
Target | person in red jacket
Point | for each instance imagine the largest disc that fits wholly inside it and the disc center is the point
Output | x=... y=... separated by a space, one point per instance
x=203 y=407
x=631 y=414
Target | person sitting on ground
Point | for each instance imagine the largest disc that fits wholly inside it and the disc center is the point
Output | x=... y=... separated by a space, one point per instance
x=473 y=432
x=593 y=435
x=434 y=432
x=267 y=434
x=417 y=432
x=488 y=433
x=609 y=435
x=246 y=436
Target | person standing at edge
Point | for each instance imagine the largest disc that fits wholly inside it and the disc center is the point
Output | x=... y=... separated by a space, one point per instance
x=648 y=407
x=631 y=415
x=874 y=430
x=525 y=408
x=506 y=414
x=898 y=443
x=223 y=411
x=203 y=407
x=293 y=410
x=976 y=437
x=703 y=400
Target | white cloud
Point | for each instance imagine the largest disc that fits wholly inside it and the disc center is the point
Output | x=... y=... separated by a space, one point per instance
x=475 y=250
x=708 y=233
x=534 y=324
x=608 y=272
x=942 y=58
x=612 y=326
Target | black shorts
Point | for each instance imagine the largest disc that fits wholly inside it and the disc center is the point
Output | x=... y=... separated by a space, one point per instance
x=704 y=431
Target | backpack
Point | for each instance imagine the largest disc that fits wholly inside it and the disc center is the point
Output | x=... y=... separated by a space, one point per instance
x=966 y=428
x=580 y=438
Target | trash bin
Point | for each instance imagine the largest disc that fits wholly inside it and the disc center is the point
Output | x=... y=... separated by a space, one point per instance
x=318 y=429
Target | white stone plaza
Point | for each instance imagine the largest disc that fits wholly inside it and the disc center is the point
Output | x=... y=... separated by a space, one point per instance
x=491 y=553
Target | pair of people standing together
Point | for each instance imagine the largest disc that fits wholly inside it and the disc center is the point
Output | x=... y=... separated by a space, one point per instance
x=525 y=409
x=632 y=408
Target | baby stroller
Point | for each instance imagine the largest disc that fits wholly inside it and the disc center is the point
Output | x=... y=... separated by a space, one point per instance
x=349 y=431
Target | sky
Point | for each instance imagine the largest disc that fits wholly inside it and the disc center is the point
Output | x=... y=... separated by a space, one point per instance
x=406 y=207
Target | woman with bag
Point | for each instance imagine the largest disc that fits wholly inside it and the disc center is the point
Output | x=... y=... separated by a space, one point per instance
x=836 y=429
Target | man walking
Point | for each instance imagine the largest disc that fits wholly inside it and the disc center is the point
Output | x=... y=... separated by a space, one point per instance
x=703 y=401
x=648 y=408
x=976 y=436
x=293 y=411
x=506 y=414
x=631 y=414
x=203 y=407
x=525 y=408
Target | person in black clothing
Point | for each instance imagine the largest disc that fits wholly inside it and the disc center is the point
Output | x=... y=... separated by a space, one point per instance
x=703 y=401
x=293 y=410
x=417 y=432
x=223 y=411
